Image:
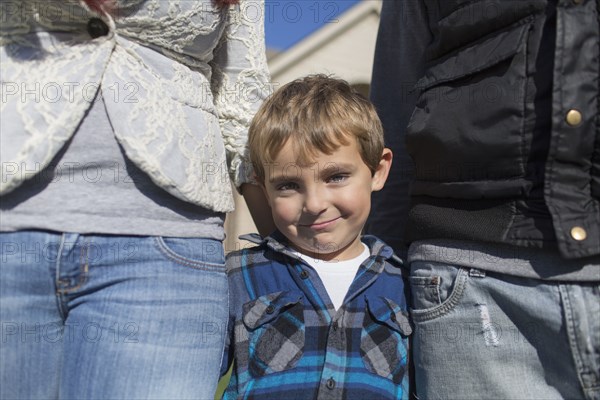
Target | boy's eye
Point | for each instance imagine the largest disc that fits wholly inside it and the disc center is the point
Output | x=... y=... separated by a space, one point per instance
x=337 y=178
x=286 y=186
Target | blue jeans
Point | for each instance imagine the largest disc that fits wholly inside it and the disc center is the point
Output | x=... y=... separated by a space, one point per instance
x=110 y=317
x=485 y=335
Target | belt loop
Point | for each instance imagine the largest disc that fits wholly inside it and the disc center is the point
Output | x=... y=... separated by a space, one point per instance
x=476 y=273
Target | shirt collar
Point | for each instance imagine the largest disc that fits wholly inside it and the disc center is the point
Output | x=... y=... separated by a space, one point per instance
x=279 y=243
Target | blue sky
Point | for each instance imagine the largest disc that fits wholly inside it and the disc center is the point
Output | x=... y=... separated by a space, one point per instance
x=288 y=21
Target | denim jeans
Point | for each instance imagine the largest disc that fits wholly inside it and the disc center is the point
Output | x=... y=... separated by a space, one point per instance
x=483 y=335
x=110 y=317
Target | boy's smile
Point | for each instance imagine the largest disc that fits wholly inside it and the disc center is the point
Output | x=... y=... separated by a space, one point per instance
x=321 y=207
x=317 y=226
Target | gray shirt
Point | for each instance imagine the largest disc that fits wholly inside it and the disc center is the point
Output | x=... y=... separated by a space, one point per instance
x=91 y=187
x=525 y=262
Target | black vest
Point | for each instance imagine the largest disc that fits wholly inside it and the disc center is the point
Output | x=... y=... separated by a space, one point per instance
x=505 y=132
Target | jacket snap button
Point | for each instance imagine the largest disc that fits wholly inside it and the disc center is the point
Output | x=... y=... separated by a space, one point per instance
x=303 y=274
x=573 y=117
x=96 y=28
x=270 y=309
x=330 y=383
x=578 y=233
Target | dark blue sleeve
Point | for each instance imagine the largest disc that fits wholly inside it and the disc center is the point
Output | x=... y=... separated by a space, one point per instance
x=399 y=62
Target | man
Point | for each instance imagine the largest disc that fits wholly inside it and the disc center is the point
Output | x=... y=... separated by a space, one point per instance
x=496 y=102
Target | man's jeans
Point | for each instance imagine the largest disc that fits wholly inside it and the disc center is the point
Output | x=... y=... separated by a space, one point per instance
x=110 y=317
x=485 y=335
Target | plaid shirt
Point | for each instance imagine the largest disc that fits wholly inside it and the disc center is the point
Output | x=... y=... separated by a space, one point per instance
x=287 y=340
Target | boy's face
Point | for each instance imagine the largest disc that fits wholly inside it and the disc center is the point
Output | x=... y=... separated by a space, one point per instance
x=321 y=208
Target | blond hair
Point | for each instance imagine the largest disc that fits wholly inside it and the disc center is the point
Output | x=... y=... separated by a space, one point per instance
x=318 y=113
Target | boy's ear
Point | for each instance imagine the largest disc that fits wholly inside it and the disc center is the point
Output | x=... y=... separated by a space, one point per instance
x=382 y=171
x=261 y=183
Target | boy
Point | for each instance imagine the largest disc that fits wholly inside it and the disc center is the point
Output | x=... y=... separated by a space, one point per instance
x=316 y=310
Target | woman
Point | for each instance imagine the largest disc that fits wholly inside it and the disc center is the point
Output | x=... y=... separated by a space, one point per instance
x=122 y=123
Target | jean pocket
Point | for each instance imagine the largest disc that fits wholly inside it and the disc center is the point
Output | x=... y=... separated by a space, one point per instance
x=383 y=343
x=425 y=291
x=198 y=253
x=276 y=332
x=435 y=288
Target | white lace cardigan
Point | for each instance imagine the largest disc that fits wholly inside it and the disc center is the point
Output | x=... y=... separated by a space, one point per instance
x=181 y=80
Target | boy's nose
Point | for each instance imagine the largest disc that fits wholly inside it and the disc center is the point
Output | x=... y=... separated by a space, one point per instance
x=315 y=203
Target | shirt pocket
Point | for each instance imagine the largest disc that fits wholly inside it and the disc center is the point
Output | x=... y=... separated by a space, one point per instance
x=470 y=113
x=276 y=332
x=383 y=341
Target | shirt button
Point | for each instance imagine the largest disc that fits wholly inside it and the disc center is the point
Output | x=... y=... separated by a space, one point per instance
x=270 y=309
x=573 y=117
x=96 y=28
x=330 y=383
x=335 y=326
x=393 y=317
x=578 y=233
x=303 y=274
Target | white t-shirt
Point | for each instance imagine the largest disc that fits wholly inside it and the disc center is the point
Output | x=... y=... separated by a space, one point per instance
x=337 y=276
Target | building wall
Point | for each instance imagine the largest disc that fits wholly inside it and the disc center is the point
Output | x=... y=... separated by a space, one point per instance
x=348 y=56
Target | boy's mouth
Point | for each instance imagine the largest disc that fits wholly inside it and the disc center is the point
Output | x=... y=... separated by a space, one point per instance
x=320 y=225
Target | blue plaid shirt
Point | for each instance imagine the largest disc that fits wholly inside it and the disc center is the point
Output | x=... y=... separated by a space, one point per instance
x=287 y=341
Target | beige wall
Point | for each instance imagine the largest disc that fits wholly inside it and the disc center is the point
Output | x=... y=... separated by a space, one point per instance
x=348 y=56
x=237 y=223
